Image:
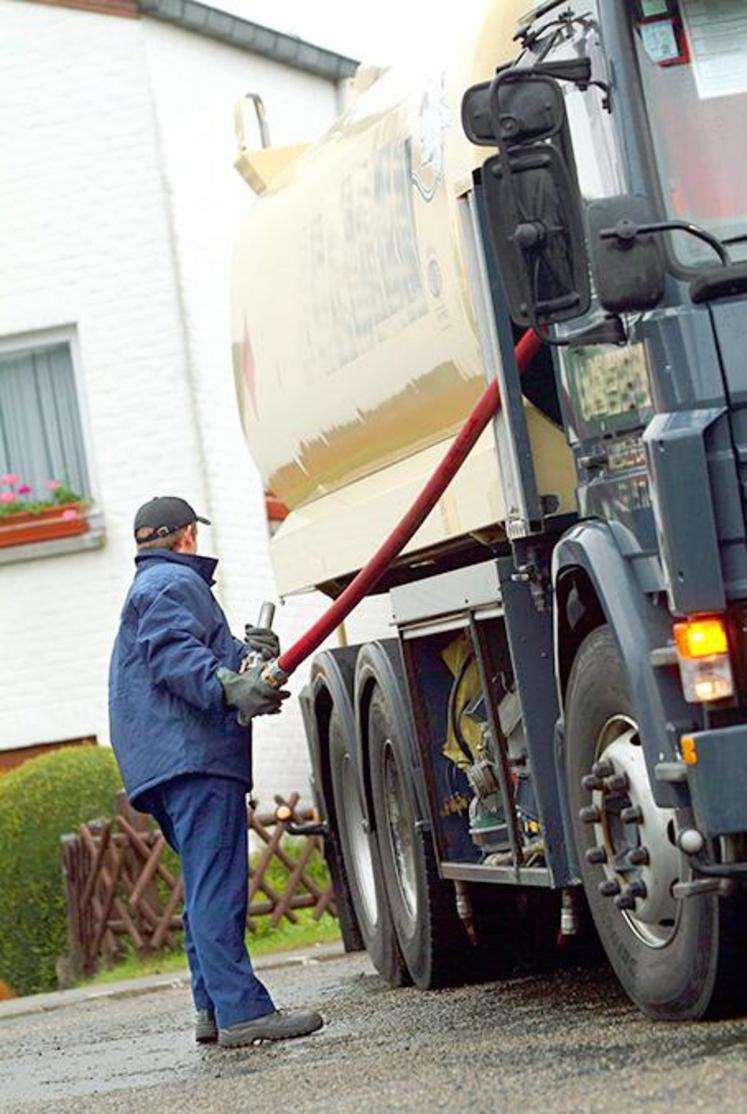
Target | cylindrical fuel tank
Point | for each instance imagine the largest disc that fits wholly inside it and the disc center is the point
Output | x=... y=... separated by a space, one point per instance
x=354 y=339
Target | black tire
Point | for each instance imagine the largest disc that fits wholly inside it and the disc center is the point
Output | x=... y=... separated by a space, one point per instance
x=362 y=864
x=688 y=965
x=423 y=907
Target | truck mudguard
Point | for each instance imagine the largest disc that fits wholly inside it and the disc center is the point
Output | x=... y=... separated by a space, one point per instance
x=597 y=556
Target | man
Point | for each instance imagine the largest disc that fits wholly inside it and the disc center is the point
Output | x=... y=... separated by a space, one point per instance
x=175 y=691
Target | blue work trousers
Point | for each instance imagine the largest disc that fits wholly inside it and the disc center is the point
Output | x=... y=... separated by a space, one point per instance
x=203 y=818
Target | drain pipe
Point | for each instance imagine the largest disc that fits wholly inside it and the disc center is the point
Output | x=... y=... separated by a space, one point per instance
x=487 y=406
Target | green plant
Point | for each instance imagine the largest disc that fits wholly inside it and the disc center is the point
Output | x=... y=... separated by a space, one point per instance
x=307 y=934
x=277 y=875
x=17 y=496
x=39 y=802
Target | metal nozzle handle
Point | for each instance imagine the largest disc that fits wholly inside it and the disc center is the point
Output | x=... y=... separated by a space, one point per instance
x=266 y=614
x=265 y=619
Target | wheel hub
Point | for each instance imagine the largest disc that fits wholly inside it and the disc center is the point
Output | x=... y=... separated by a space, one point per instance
x=639 y=860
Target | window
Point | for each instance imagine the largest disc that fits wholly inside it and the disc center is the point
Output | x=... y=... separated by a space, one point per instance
x=701 y=79
x=41 y=435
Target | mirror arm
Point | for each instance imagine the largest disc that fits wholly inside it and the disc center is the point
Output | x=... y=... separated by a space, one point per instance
x=608 y=331
x=626 y=232
x=606 y=92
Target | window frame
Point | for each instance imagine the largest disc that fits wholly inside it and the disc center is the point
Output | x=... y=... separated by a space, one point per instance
x=31 y=341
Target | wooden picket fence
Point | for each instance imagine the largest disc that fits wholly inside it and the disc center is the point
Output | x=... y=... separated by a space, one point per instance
x=118 y=885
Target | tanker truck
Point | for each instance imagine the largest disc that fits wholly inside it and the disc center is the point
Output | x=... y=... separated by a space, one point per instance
x=555 y=734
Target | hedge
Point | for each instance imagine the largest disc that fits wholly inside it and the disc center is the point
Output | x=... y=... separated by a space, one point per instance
x=40 y=801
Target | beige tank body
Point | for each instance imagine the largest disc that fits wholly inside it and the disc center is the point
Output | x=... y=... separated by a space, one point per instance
x=355 y=349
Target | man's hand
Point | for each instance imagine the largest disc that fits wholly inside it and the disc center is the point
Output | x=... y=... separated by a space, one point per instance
x=249 y=694
x=262 y=640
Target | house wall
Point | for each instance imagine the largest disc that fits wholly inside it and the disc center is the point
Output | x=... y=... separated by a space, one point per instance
x=195 y=85
x=118 y=203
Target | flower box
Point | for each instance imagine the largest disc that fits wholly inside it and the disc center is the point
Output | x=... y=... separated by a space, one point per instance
x=61 y=521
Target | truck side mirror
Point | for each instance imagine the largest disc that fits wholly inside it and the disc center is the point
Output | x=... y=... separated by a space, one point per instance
x=533 y=206
x=628 y=266
x=504 y=112
x=532 y=198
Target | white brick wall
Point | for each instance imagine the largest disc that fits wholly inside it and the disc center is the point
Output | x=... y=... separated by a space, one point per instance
x=195 y=84
x=118 y=204
x=85 y=242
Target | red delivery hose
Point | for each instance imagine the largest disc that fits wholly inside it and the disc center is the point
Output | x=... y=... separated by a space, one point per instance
x=486 y=407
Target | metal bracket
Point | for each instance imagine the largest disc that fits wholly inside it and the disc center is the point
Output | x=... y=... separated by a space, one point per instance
x=702 y=886
x=523 y=507
x=672 y=772
x=663 y=656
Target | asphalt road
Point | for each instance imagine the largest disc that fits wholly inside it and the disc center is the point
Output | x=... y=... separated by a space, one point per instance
x=567 y=1041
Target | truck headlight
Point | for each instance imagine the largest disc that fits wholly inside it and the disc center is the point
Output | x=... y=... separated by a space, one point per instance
x=703 y=655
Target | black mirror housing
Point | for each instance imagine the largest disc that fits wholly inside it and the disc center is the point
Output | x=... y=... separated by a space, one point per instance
x=504 y=112
x=628 y=271
x=476 y=121
x=533 y=210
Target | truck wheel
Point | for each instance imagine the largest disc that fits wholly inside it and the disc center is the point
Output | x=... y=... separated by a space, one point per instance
x=362 y=865
x=677 y=960
x=423 y=906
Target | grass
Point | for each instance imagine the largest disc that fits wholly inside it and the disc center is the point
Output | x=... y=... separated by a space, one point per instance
x=285 y=937
x=266 y=940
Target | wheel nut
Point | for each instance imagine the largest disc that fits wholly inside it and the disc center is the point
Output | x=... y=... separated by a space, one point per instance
x=625 y=901
x=591 y=781
x=603 y=769
x=639 y=856
x=596 y=855
x=616 y=784
x=609 y=888
x=631 y=815
x=589 y=814
x=636 y=888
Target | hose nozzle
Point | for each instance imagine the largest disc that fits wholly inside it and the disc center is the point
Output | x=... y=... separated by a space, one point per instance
x=273 y=675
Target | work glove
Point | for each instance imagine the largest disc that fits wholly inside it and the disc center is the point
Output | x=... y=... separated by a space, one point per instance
x=249 y=694
x=262 y=640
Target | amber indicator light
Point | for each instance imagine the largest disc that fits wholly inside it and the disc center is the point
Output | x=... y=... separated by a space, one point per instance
x=701 y=638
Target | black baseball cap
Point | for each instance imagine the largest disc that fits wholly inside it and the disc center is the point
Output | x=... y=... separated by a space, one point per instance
x=164 y=515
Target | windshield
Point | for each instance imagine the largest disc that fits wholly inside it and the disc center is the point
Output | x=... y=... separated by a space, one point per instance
x=692 y=56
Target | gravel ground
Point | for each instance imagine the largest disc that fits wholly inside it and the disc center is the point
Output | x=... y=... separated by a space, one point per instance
x=568 y=1041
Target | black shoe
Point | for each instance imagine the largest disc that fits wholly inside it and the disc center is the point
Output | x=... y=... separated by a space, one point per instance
x=206 y=1029
x=276 y=1026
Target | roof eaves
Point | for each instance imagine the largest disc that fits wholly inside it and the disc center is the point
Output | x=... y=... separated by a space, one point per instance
x=242 y=33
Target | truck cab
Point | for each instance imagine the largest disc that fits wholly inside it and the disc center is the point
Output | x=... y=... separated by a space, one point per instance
x=560 y=724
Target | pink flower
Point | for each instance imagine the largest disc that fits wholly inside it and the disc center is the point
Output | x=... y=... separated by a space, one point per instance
x=9 y=478
x=24 y=489
x=52 y=485
x=7 y=497
x=69 y=514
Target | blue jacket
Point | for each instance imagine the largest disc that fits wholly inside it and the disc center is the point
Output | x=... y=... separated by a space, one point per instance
x=166 y=709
